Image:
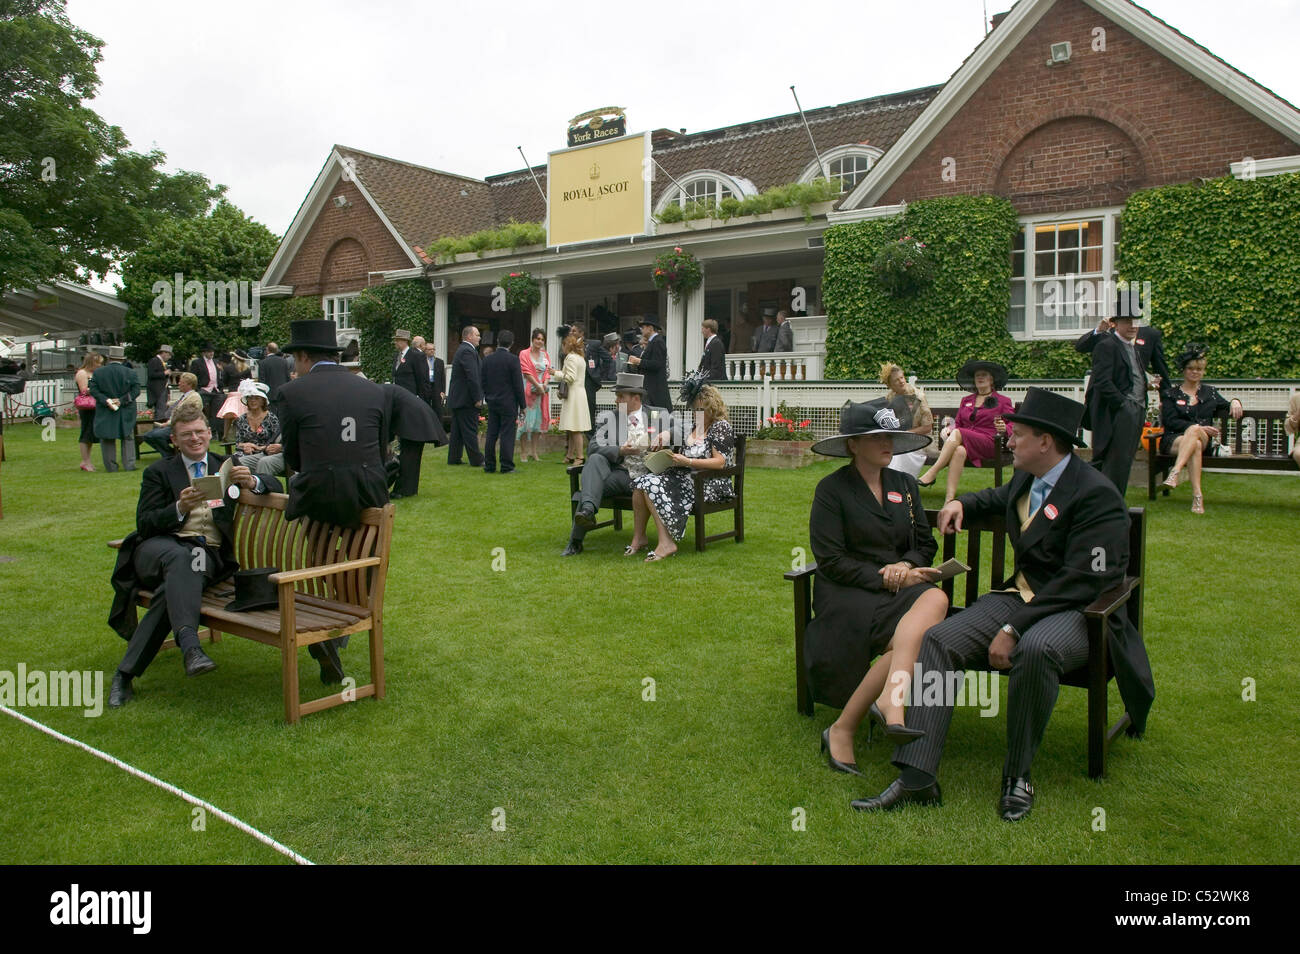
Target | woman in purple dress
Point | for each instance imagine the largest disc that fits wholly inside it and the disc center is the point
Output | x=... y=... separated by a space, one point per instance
x=974 y=434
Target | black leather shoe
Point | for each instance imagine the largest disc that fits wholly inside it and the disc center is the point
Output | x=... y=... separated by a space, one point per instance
x=850 y=768
x=331 y=665
x=895 y=796
x=573 y=549
x=119 y=693
x=197 y=662
x=585 y=518
x=896 y=732
x=1017 y=798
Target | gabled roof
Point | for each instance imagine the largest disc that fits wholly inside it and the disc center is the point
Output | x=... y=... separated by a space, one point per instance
x=1257 y=100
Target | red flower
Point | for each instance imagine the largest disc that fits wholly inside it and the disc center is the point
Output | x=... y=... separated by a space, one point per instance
x=678 y=250
x=805 y=423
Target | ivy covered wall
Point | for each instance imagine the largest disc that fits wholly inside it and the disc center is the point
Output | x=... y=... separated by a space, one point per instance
x=377 y=312
x=1223 y=259
x=960 y=314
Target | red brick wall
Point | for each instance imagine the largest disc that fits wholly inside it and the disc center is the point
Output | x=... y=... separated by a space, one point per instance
x=341 y=246
x=1087 y=133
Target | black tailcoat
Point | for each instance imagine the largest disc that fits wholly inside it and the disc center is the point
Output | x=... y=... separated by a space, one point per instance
x=714 y=360
x=332 y=426
x=503 y=382
x=412 y=373
x=654 y=366
x=1151 y=352
x=1070 y=559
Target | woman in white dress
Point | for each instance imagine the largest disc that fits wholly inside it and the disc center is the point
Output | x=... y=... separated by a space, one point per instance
x=909 y=404
x=575 y=420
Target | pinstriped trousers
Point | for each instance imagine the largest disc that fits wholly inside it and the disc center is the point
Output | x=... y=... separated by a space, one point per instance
x=1053 y=646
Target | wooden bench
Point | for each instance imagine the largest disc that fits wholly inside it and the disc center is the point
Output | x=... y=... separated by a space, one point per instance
x=331 y=583
x=702 y=507
x=1094 y=676
x=997 y=464
x=1266 y=451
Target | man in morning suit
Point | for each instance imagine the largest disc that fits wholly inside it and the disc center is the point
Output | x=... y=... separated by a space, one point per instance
x=616 y=453
x=333 y=428
x=411 y=373
x=1117 y=390
x=600 y=368
x=653 y=363
x=784 y=332
x=464 y=398
x=208 y=373
x=273 y=371
x=437 y=379
x=714 y=360
x=764 y=338
x=503 y=388
x=1069 y=529
x=156 y=385
x=181 y=544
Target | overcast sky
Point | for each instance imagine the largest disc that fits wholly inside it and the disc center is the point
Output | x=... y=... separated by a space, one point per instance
x=252 y=93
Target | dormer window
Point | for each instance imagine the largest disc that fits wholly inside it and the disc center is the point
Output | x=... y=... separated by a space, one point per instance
x=847 y=165
x=705 y=187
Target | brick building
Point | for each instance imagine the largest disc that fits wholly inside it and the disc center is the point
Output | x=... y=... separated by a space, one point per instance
x=1065 y=108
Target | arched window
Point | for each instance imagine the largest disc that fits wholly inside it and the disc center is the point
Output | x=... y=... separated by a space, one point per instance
x=845 y=164
x=705 y=186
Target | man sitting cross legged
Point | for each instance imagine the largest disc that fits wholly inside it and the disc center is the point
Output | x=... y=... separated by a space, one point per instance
x=616 y=452
x=182 y=544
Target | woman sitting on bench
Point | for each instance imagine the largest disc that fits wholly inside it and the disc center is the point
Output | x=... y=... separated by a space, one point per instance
x=1187 y=413
x=874 y=596
x=974 y=435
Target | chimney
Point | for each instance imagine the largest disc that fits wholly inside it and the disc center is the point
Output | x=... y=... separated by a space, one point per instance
x=998 y=18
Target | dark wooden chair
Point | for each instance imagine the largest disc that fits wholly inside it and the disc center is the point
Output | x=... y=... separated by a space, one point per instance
x=1000 y=461
x=1094 y=677
x=736 y=504
x=1266 y=451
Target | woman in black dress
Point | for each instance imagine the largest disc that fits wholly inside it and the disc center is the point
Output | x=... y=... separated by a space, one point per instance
x=1187 y=414
x=874 y=596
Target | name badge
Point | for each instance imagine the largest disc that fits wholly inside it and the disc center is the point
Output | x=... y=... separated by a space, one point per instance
x=1050 y=511
x=894 y=496
x=1141 y=341
x=214 y=504
x=1182 y=403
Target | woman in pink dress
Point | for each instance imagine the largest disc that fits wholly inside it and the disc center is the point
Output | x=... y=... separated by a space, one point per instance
x=536 y=366
x=974 y=434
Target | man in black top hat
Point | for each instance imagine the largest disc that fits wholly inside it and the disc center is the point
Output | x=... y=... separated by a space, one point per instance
x=653 y=363
x=182 y=543
x=1117 y=390
x=1069 y=528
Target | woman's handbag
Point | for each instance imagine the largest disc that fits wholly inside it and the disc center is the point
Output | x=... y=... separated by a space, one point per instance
x=563 y=390
x=84 y=402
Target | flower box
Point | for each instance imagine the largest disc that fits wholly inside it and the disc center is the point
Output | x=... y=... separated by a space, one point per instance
x=780 y=455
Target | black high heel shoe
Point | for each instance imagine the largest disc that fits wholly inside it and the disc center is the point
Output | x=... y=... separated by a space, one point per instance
x=894 y=731
x=850 y=768
x=927 y=483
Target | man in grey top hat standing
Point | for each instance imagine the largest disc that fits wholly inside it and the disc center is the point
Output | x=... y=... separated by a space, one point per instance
x=765 y=336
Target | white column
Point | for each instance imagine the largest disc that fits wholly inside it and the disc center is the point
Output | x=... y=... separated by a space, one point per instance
x=675 y=331
x=554 y=316
x=441 y=300
x=694 y=337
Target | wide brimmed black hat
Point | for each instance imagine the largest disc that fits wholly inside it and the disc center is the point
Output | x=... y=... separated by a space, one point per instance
x=966 y=376
x=650 y=320
x=866 y=418
x=312 y=334
x=207 y=346
x=1049 y=411
x=254 y=590
x=631 y=336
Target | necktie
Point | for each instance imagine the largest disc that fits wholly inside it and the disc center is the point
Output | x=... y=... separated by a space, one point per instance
x=1037 y=494
x=198 y=468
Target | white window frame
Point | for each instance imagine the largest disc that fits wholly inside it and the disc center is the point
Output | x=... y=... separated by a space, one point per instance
x=815 y=168
x=738 y=187
x=325 y=310
x=1109 y=217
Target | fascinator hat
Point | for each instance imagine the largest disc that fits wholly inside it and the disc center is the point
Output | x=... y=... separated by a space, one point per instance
x=692 y=384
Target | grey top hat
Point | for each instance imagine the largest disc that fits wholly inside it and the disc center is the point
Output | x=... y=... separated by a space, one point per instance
x=870 y=417
x=610 y=339
x=165 y=348
x=629 y=383
x=402 y=333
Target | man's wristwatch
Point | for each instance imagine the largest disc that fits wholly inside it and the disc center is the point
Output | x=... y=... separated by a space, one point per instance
x=908 y=563
x=1010 y=631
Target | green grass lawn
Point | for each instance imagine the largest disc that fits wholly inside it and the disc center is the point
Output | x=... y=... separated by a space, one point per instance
x=522 y=690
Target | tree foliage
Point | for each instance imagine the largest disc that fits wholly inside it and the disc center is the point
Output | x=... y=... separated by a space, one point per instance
x=1222 y=260
x=222 y=247
x=73 y=197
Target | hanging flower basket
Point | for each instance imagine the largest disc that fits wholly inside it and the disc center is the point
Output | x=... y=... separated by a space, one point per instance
x=523 y=292
x=679 y=272
x=904 y=267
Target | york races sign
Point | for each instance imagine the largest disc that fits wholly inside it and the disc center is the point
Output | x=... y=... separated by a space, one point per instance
x=597 y=125
x=600 y=190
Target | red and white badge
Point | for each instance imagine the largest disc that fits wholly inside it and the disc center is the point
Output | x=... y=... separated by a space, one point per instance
x=1141 y=341
x=894 y=496
x=1050 y=511
x=1182 y=403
